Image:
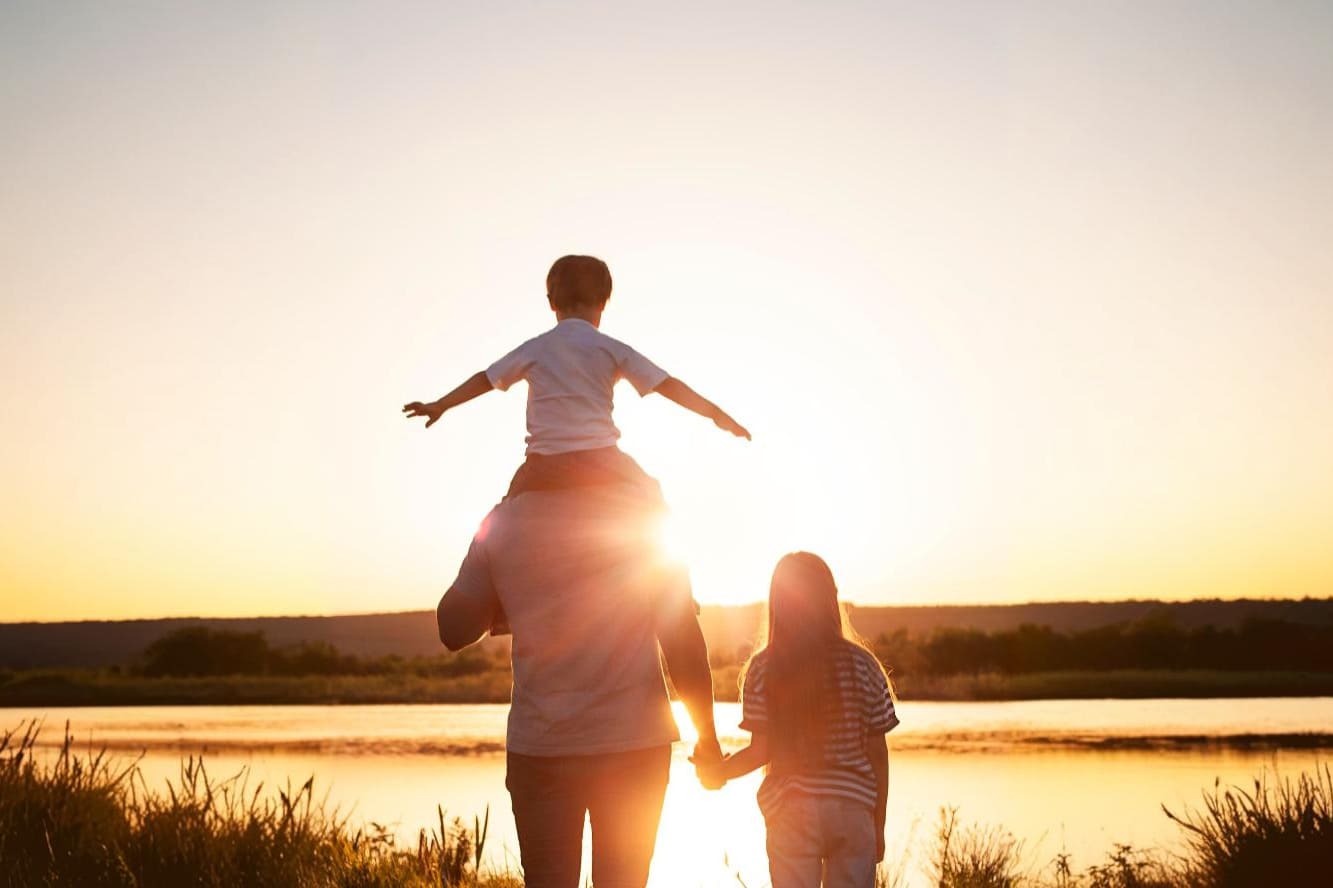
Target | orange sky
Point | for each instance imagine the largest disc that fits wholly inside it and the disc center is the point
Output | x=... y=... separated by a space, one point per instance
x=1020 y=303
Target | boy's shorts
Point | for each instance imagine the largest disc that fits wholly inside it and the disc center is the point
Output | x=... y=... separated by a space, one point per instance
x=577 y=468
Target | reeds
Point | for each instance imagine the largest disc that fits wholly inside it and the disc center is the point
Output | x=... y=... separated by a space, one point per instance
x=1280 y=832
x=77 y=819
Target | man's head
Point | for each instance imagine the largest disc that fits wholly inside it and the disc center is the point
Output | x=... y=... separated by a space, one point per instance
x=578 y=284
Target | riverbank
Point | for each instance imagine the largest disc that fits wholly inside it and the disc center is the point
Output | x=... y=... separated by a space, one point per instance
x=80 y=818
x=60 y=688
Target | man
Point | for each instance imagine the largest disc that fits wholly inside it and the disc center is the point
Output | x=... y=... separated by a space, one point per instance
x=589 y=597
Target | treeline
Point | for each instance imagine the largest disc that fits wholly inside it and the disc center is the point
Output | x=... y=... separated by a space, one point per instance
x=1153 y=644
x=199 y=651
x=1255 y=646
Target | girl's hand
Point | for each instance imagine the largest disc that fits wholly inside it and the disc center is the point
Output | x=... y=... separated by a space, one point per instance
x=432 y=411
x=710 y=774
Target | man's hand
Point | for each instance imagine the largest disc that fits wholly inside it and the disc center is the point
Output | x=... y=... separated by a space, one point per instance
x=432 y=411
x=707 y=761
x=879 y=844
x=724 y=422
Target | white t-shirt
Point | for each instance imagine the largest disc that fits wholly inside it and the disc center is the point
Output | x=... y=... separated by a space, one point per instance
x=571 y=371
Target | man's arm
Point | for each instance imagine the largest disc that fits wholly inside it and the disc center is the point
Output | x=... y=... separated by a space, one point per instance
x=476 y=385
x=467 y=610
x=686 y=654
x=674 y=390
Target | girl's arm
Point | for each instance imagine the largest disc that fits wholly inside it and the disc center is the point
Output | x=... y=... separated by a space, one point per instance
x=877 y=748
x=476 y=385
x=751 y=757
x=674 y=390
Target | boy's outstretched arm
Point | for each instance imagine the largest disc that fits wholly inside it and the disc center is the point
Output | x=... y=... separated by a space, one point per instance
x=674 y=390
x=477 y=384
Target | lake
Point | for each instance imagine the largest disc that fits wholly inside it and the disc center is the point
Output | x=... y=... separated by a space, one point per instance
x=1075 y=776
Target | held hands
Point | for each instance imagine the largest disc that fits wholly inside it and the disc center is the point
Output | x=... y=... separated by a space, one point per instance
x=432 y=411
x=708 y=764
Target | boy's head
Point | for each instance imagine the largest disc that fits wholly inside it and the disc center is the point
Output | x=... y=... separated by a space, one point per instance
x=576 y=282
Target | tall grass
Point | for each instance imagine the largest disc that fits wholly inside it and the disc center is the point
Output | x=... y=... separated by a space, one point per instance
x=78 y=819
x=974 y=857
x=1277 y=833
x=1280 y=832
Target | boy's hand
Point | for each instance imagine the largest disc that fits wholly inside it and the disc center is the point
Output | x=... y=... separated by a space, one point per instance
x=724 y=422
x=432 y=411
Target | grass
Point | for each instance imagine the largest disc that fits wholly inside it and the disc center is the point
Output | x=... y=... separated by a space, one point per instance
x=45 y=688
x=89 y=687
x=1279 y=832
x=1123 y=684
x=79 y=819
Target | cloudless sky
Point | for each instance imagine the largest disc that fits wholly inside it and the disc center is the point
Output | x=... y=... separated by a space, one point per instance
x=1021 y=301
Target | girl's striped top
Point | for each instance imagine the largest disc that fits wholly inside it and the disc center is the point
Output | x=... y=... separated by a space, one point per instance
x=868 y=711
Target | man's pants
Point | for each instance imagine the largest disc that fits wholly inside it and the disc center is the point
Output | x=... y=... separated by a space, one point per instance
x=620 y=792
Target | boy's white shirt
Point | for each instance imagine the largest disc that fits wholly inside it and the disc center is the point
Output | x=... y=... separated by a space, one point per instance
x=571 y=371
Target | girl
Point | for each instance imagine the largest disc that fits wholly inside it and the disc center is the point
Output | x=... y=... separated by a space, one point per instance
x=818 y=705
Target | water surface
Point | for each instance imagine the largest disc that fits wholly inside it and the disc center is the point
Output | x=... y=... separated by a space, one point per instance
x=1076 y=776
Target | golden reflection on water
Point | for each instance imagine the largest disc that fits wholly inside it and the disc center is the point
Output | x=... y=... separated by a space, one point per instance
x=1055 y=799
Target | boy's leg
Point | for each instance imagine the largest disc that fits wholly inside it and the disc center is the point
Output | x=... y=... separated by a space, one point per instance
x=549 y=807
x=625 y=809
x=794 y=843
x=522 y=477
x=848 y=830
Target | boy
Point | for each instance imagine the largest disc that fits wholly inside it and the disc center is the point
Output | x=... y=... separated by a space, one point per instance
x=571 y=371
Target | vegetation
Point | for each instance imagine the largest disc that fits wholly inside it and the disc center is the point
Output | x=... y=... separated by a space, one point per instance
x=1153 y=643
x=199 y=651
x=81 y=819
x=48 y=688
x=1280 y=832
x=1149 y=658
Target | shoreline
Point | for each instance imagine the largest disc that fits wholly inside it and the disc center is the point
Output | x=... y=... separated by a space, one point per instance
x=98 y=688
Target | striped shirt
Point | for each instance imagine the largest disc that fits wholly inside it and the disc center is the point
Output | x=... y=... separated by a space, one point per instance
x=867 y=711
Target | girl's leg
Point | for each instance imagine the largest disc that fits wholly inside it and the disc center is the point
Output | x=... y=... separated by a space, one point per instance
x=794 y=844
x=848 y=835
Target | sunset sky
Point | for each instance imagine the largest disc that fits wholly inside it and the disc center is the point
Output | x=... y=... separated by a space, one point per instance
x=1021 y=301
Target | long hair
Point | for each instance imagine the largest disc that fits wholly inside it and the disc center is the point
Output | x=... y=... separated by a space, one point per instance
x=807 y=639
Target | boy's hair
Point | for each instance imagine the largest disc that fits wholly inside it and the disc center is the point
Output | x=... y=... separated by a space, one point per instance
x=575 y=281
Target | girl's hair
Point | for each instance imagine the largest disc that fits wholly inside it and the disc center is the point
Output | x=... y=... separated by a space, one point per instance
x=807 y=638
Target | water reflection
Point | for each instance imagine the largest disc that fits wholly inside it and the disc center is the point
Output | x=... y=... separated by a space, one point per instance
x=370 y=760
